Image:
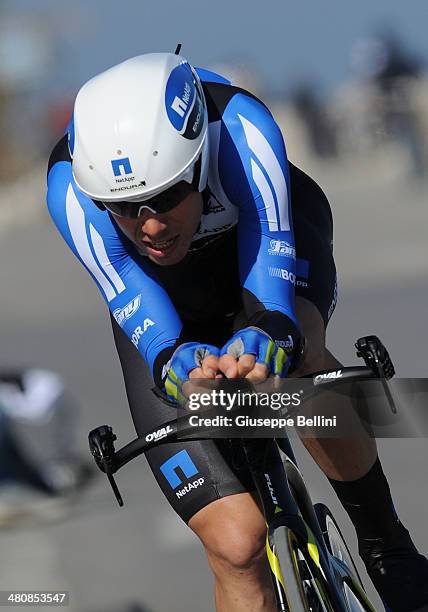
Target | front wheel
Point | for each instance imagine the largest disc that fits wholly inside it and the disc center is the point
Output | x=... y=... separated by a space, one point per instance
x=353 y=589
x=303 y=584
x=334 y=539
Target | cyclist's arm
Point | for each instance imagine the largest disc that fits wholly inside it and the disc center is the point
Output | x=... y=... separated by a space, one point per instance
x=137 y=301
x=257 y=179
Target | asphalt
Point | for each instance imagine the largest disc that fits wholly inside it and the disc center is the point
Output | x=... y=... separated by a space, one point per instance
x=142 y=557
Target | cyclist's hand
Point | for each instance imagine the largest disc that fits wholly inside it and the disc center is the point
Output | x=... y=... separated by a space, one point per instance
x=190 y=360
x=251 y=353
x=242 y=367
x=209 y=367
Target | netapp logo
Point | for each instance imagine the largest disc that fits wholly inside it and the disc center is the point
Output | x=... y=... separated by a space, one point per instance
x=180 y=105
x=189 y=487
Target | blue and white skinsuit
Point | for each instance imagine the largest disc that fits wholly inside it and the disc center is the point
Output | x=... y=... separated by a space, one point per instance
x=260 y=211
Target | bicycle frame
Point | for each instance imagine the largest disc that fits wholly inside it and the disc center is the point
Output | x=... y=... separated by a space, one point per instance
x=286 y=502
x=282 y=507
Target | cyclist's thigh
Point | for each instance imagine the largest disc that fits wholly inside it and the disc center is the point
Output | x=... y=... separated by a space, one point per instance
x=313 y=230
x=191 y=474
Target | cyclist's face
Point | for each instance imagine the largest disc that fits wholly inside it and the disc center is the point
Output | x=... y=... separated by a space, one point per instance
x=166 y=237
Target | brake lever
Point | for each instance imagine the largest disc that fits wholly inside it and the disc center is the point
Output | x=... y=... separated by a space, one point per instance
x=375 y=355
x=371 y=349
x=101 y=445
x=115 y=489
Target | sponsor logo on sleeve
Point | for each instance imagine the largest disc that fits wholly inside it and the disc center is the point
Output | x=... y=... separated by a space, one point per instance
x=282 y=273
x=282 y=248
x=123 y=314
x=140 y=330
x=287 y=276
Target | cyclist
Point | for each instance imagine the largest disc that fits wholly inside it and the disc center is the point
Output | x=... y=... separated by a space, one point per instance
x=212 y=251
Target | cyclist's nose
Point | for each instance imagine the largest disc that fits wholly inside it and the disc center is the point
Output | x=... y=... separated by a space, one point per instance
x=153 y=226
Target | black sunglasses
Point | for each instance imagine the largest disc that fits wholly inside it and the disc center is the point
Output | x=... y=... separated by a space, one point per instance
x=161 y=203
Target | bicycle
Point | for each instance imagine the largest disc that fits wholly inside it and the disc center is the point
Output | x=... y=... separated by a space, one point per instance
x=311 y=566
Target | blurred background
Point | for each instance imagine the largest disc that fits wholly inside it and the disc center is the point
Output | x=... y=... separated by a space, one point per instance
x=349 y=88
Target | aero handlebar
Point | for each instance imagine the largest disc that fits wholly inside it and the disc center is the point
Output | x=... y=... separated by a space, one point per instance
x=101 y=440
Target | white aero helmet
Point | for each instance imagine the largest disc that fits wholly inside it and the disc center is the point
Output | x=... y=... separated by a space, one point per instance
x=138 y=129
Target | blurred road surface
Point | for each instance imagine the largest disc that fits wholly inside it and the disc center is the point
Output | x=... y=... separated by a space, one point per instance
x=51 y=315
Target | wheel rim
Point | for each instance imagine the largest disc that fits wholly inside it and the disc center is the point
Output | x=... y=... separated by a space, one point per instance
x=340 y=551
x=314 y=599
x=353 y=602
x=338 y=547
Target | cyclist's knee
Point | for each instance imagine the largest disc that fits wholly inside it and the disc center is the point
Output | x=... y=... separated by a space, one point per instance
x=241 y=553
x=233 y=533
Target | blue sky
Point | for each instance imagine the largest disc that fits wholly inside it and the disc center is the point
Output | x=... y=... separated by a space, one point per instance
x=282 y=41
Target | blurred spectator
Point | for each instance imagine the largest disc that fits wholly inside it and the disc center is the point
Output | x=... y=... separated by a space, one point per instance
x=317 y=123
x=40 y=468
x=25 y=59
x=390 y=73
x=384 y=59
